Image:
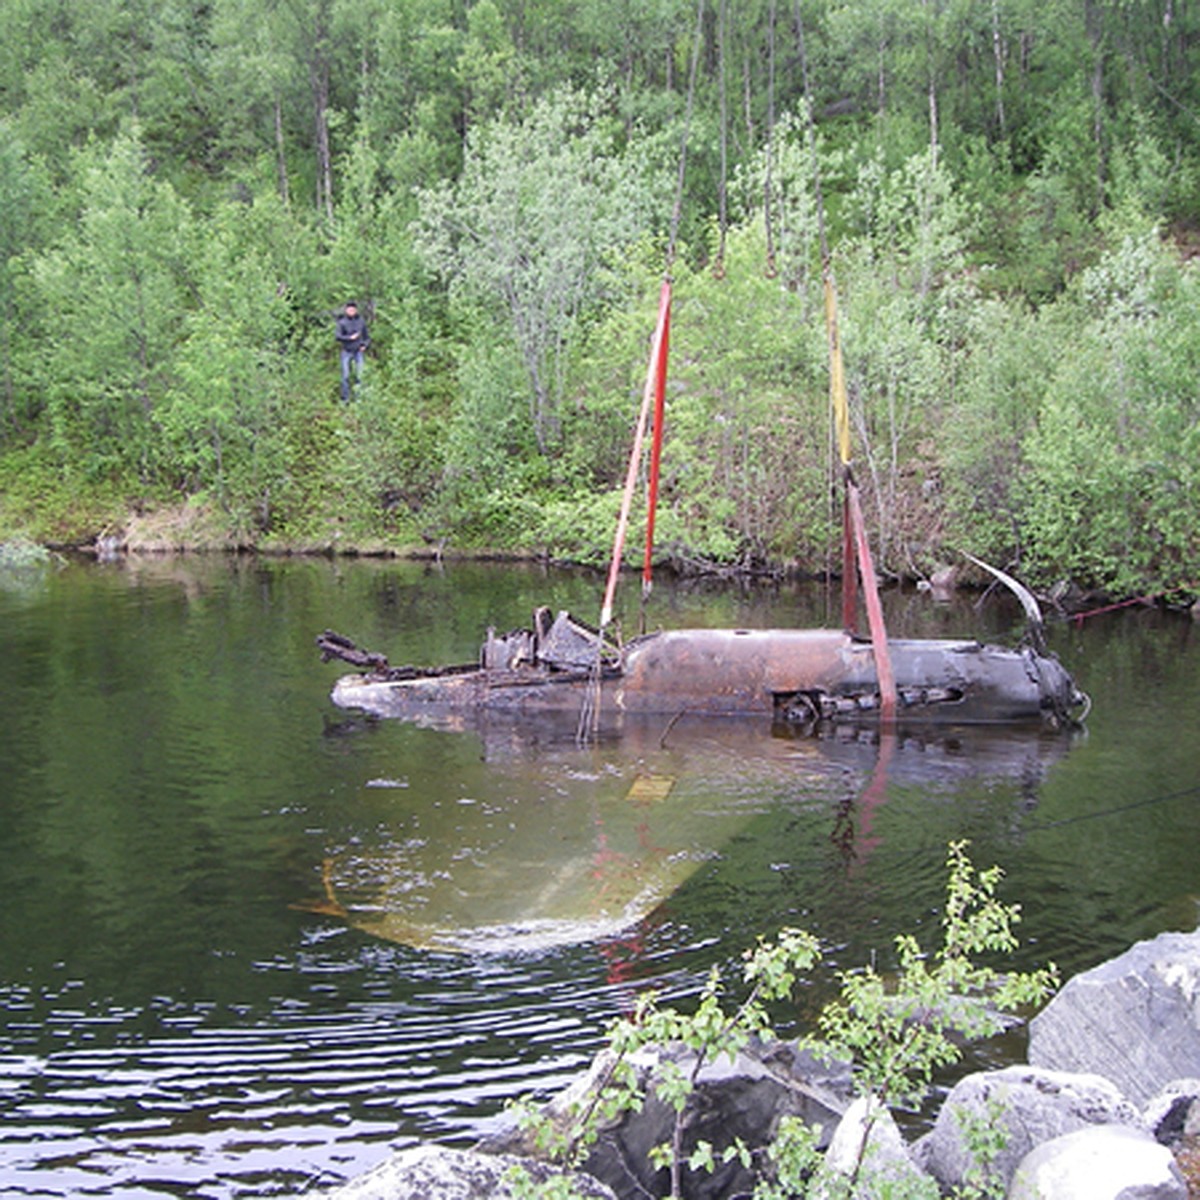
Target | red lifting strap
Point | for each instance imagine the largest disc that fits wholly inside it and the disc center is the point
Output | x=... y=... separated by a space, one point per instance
x=879 y=638
x=660 y=398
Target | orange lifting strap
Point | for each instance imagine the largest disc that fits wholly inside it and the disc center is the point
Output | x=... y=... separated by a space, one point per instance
x=653 y=393
x=856 y=546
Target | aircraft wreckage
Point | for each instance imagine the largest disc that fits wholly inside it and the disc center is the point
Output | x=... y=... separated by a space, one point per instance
x=823 y=690
x=562 y=665
x=688 y=705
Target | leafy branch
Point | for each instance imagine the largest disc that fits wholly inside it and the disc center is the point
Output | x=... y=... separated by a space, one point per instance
x=897 y=1031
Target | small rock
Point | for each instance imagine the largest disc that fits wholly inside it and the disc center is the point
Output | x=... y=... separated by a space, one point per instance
x=1175 y=1112
x=440 y=1173
x=1034 y=1106
x=1103 y=1162
x=868 y=1146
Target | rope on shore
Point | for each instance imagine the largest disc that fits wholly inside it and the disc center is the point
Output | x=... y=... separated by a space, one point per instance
x=1148 y=601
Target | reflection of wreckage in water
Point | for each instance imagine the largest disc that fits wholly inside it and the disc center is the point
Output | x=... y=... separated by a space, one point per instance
x=569 y=858
x=796 y=675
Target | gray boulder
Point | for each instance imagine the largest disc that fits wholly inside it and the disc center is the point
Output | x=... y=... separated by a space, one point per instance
x=743 y=1099
x=1134 y=1019
x=1033 y=1105
x=867 y=1146
x=1104 y=1162
x=440 y=1173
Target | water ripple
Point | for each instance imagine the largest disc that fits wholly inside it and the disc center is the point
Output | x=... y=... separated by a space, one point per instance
x=127 y=1101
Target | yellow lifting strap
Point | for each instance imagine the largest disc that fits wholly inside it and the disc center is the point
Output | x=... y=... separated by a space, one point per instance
x=837 y=375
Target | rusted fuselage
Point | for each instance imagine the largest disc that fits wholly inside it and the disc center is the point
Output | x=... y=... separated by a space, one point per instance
x=783 y=674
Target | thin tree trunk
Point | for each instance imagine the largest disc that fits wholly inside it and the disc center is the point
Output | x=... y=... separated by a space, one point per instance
x=931 y=67
x=746 y=98
x=320 y=91
x=933 y=120
x=998 y=57
x=285 y=191
x=8 y=414
x=318 y=72
x=1095 y=34
x=881 y=71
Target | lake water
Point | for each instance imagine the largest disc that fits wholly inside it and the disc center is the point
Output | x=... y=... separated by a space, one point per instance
x=217 y=969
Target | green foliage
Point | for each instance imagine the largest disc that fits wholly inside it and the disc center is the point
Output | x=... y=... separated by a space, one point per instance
x=1111 y=457
x=895 y=1029
x=20 y=554
x=779 y=183
x=40 y=502
x=522 y=1187
x=188 y=193
x=110 y=299
x=309 y=505
x=1144 y=179
x=1051 y=238
x=24 y=194
x=393 y=459
x=986 y=1136
x=899 y=1030
x=1000 y=388
x=745 y=472
x=530 y=228
x=223 y=418
x=904 y=297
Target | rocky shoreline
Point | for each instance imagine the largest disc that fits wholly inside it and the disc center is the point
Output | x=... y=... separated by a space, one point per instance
x=1107 y=1107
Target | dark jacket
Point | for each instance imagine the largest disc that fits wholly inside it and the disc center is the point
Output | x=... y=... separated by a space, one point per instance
x=347 y=327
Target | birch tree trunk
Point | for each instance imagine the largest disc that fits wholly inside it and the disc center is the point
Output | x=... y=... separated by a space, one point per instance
x=285 y=191
x=998 y=55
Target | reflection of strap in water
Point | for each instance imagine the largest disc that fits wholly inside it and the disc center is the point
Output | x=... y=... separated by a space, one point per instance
x=856 y=845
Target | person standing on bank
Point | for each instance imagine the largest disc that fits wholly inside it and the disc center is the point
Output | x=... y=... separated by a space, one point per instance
x=353 y=338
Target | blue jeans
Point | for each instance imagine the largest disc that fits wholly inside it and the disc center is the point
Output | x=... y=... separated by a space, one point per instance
x=348 y=357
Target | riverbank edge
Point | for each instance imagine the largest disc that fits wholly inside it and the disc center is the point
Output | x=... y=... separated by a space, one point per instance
x=196 y=530
x=1067 y=599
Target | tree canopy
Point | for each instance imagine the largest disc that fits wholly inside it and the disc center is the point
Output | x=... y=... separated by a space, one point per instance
x=1005 y=194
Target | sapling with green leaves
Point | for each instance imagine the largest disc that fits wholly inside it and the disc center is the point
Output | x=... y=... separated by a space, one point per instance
x=896 y=1029
x=900 y=1030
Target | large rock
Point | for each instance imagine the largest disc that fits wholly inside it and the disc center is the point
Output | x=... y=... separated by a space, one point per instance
x=1134 y=1019
x=1032 y=1105
x=868 y=1148
x=440 y=1173
x=1104 y=1162
x=743 y=1099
